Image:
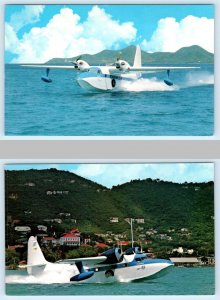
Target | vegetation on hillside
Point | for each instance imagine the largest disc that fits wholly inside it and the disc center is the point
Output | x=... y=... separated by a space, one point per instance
x=192 y=54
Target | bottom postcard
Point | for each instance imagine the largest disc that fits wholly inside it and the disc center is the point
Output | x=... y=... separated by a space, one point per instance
x=145 y=228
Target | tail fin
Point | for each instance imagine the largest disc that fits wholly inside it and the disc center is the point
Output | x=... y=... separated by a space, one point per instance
x=36 y=261
x=137 y=57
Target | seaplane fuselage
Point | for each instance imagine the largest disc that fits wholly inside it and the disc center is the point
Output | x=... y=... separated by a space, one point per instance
x=99 y=78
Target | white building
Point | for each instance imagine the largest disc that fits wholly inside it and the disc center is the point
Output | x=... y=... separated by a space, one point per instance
x=22 y=228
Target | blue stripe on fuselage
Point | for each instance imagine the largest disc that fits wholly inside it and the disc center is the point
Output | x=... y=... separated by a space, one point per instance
x=130 y=264
x=144 y=262
x=90 y=74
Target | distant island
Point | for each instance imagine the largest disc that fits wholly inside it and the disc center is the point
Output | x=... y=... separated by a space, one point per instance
x=186 y=55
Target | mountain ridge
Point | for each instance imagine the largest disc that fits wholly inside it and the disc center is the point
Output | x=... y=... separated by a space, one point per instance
x=163 y=204
x=192 y=54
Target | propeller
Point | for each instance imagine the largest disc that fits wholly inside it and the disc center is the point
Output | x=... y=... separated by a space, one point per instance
x=75 y=62
x=115 y=63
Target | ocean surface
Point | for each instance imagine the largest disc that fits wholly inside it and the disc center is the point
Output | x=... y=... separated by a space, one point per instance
x=179 y=281
x=147 y=107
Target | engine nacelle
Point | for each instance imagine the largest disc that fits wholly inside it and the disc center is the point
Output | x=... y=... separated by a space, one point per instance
x=81 y=65
x=113 y=256
x=122 y=65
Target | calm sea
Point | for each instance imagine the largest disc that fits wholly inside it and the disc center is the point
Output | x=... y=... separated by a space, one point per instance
x=145 y=108
x=179 y=281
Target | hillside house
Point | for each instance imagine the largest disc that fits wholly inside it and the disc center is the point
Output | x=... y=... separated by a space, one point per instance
x=42 y=228
x=75 y=231
x=64 y=214
x=114 y=220
x=123 y=243
x=140 y=220
x=101 y=245
x=13 y=196
x=22 y=228
x=70 y=239
x=59 y=221
x=186 y=261
x=48 y=240
x=30 y=184
x=151 y=231
x=87 y=241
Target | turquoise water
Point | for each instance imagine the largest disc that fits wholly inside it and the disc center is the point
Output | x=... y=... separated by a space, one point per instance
x=146 y=108
x=179 y=281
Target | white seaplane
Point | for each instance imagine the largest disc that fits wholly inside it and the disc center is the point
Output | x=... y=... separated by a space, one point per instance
x=112 y=265
x=110 y=77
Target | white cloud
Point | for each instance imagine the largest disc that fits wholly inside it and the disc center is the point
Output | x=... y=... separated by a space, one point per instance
x=114 y=174
x=11 y=40
x=171 y=35
x=66 y=36
x=28 y=15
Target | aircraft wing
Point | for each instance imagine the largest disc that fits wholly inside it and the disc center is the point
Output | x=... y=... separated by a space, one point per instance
x=49 y=66
x=158 y=69
x=87 y=261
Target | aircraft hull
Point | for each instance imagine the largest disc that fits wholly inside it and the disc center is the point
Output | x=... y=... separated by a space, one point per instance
x=114 y=267
x=135 y=271
x=103 y=82
x=104 y=274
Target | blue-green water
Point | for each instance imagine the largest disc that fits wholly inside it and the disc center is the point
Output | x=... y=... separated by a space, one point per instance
x=146 y=108
x=179 y=281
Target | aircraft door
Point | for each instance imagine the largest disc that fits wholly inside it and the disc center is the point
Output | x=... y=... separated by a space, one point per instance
x=102 y=80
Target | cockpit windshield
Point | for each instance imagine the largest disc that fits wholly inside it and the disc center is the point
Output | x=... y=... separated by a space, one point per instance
x=95 y=70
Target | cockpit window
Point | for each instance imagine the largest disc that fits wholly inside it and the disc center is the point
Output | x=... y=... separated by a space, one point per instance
x=95 y=70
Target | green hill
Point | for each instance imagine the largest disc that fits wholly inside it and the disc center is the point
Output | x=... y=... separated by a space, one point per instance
x=193 y=54
x=36 y=195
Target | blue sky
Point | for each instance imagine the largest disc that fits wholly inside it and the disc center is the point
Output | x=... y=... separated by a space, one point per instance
x=36 y=33
x=114 y=174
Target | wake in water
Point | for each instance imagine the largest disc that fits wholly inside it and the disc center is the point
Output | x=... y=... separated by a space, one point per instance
x=47 y=277
x=198 y=79
x=156 y=85
x=147 y=84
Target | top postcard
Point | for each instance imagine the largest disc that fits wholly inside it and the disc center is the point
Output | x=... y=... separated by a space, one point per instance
x=109 y=70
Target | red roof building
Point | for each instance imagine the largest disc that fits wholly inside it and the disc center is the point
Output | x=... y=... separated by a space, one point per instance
x=123 y=243
x=101 y=245
x=75 y=231
x=70 y=239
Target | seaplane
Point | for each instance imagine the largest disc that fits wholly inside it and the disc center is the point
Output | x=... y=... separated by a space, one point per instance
x=110 y=77
x=113 y=265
